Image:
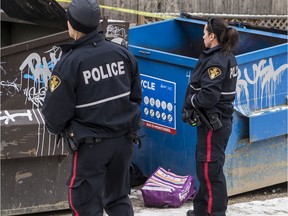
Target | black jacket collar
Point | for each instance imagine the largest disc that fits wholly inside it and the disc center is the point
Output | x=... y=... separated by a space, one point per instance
x=93 y=38
x=211 y=50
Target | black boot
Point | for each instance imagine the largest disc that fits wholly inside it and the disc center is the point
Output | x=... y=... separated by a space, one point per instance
x=190 y=213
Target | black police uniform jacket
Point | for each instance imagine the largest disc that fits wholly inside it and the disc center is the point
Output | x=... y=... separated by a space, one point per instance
x=212 y=86
x=94 y=89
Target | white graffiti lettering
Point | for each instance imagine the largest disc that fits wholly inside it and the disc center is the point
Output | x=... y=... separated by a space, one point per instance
x=11 y=88
x=52 y=53
x=11 y=117
x=264 y=78
x=117 y=35
x=41 y=74
x=39 y=70
x=36 y=97
x=115 y=31
x=7 y=87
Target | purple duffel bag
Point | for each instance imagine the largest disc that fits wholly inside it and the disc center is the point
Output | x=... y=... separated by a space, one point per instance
x=166 y=189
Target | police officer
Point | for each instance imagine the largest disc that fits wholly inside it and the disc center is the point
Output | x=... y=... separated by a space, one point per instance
x=210 y=93
x=95 y=94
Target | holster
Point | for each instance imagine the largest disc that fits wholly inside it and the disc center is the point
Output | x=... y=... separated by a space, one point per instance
x=203 y=118
x=197 y=117
x=70 y=140
x=215 y=121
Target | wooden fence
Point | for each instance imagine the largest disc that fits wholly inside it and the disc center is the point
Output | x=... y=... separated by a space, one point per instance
x=264 y=8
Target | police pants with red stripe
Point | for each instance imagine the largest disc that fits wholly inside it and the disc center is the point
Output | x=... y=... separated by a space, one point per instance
x=211 y=198
x=100 y=178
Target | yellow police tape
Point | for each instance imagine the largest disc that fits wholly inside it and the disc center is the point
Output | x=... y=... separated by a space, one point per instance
x=141 y=13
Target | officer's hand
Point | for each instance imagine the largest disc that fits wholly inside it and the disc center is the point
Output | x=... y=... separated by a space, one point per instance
x=188 y=104
x=184 y=116
x=189 y=117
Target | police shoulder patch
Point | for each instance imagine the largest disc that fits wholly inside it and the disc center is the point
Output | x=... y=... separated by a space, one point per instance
x=214 y=72
x=54 y=83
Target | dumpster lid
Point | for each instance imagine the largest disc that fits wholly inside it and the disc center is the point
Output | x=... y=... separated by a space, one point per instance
x=43 y=12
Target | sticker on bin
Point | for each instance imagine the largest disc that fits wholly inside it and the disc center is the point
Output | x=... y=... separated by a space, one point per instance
x=159 y=104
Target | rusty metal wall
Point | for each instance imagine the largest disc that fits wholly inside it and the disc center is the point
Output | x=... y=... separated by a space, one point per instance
x=34 y=167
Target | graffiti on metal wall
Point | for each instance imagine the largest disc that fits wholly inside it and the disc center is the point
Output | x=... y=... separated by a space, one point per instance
x=117 y=34
x=44 y=146
x=7 y=117
x=38 y=71
x=35 y=69
x=36 y=96
x=35 y=72
x=264 y=78
x=8 y=88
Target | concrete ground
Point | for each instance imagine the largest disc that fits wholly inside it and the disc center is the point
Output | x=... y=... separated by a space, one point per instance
x=275 y=207
x=272 y=201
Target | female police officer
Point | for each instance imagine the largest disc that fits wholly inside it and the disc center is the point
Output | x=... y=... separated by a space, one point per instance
x=208 y=100
x=94 y=94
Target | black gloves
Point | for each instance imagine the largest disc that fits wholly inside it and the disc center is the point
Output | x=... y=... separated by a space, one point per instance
x=191 y=117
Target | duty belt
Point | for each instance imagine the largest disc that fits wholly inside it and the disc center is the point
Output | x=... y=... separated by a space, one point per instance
x=90 y=140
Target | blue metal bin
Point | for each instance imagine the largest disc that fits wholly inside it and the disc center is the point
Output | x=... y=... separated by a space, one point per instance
x=256 y=155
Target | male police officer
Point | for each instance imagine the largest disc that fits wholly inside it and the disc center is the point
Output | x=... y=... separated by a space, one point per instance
x=94 y=94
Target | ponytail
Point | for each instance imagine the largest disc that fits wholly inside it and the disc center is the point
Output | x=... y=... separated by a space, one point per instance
x=231 y=40
x=227 y=36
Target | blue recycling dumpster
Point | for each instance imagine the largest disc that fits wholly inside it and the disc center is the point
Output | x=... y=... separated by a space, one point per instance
x=256 y=155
